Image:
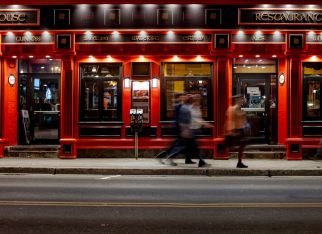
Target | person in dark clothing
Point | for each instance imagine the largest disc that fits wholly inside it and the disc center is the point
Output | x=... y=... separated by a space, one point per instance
x=187 y=141
x=177 y=144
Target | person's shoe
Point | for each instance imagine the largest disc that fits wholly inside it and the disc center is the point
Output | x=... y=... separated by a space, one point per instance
x=190 y=162
x=241 y=165
x=202 y=163
x=160 y=160
x=170 y=162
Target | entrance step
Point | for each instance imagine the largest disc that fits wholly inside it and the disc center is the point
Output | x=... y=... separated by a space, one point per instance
x=262 y=152
x=33 y=151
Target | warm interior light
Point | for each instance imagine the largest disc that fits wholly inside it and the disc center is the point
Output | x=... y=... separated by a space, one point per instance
x=155 y=82
x=127 y=82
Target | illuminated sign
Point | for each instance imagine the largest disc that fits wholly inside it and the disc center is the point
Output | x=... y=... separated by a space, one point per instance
x=19 y=17
x=258 y=38
x=152 y=38
x=27 y=39
x=275 y=16
x=314 y=39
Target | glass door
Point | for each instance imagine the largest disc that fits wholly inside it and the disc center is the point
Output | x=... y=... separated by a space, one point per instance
x=257 y=83
x=39 y=103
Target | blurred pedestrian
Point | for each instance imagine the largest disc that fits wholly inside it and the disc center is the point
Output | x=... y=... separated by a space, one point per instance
x=177 y=146
x=189 y=122
x=235 y=128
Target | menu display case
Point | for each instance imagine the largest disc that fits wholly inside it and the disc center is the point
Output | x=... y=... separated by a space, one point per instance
x=141 y=98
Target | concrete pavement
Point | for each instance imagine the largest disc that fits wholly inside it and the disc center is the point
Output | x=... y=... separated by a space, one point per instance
x=150 y=166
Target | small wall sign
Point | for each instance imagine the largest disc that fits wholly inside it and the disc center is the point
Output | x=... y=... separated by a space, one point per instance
x=11 y=80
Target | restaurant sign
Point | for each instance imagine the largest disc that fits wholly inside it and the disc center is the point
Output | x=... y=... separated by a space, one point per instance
x=151 y=38
x=314 y=38
x=19 y=17
x=278 y=16
x=27 y=39
x=241 y=38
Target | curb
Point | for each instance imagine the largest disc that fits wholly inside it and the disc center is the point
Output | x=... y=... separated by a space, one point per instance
x=165 y=171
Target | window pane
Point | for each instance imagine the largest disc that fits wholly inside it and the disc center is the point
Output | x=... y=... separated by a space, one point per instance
x=110 y=99
x=312 y=96
x=39 y=66
x=259 y=65
x=186 y=86
x=91 y=92
x=313 y=99
x=186 y=69
x=100 y=87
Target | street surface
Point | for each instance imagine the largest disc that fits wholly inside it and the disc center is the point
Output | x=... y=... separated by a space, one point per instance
x=159 y=204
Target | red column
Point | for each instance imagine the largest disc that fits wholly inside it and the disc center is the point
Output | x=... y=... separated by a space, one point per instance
x=223 y=87
x=67 y=140
x=8 y=104
x=282 y=106
x=294 y=151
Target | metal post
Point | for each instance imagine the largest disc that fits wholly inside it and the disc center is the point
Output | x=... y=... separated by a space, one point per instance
x=136 y=146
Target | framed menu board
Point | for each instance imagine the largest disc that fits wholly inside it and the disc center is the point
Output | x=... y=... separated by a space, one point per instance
x=141 y=98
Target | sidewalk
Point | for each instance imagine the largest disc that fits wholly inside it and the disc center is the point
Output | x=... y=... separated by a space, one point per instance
x=150 y=166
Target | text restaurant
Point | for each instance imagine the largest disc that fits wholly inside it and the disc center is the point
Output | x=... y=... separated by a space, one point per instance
x=72 y=73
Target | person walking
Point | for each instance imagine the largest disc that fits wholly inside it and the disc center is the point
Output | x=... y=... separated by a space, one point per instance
x=177 y=146
x=188 y=125
x=235 y=126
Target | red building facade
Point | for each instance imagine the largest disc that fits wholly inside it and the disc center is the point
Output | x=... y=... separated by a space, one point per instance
x=71 y=73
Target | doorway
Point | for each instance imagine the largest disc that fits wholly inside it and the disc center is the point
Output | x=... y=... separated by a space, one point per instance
x=256 y=80
x=39 y=101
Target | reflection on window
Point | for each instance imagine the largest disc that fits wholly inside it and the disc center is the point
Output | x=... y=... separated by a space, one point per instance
x=39 y=66
x=187 y=69
x=187 y=78
x=311 y=87
x=100 y=87
x=251 y=65
x=313 y=98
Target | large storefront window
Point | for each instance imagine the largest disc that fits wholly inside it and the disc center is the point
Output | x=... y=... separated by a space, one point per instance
x=312 y=82
x=193 y=78
x=256 y=80
x=100 y=91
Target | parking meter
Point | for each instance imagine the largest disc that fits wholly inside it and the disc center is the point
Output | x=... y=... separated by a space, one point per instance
x=136 y=121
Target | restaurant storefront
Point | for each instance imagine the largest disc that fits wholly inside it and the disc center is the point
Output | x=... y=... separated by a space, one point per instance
x=73 y=72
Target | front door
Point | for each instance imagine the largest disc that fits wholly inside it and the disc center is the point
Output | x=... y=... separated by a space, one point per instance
x=256 y=80
x=259 y=91
x=39 y=106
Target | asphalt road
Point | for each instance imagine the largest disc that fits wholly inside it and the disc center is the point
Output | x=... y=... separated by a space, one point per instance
x=159 y=204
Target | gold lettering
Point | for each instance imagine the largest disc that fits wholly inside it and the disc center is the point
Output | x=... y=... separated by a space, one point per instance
x=289 y=17
x=13 y=17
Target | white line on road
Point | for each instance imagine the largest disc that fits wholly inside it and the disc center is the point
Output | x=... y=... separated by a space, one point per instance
x=163 y=205
x=109 y=177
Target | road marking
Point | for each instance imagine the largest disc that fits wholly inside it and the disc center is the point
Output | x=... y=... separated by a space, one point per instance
x=162 y=205
x=109 y=177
